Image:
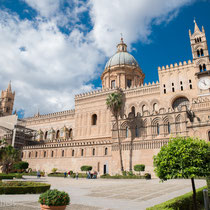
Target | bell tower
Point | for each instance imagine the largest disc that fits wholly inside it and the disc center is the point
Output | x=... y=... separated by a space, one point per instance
x=7 y=100
x=199 y=49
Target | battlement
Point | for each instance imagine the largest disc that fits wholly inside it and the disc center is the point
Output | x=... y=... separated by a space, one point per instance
x=95 y=92
x=110 y=90
x=50 y=115
x=176 y=66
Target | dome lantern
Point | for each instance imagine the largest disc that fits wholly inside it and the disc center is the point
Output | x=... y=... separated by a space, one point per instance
x=122 y=70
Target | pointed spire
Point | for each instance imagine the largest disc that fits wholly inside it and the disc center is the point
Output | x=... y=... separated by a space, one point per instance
x=196 y=27
x=9 y=89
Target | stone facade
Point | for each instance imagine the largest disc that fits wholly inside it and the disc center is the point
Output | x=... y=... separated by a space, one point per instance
x=179 y=104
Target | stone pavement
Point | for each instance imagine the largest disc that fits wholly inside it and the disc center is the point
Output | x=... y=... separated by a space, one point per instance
x=104 y=194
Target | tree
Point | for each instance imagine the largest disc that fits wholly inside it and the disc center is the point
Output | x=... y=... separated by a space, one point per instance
x=139 y=167
x=22 y=165
x=114 y=104
x=183 y=157
x=9 y=155
x=86 y=168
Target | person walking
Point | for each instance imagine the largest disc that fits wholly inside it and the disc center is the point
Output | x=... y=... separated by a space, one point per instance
x=65 y=174
x=77 y=175
x=38 y=174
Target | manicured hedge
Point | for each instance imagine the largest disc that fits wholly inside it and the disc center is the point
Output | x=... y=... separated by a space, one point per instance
x=208 y=185
x=10 y=176
x=73 y=175
x=57 y=174
x=107 y=176
x=17 y=187
x=183 y=202
x=33 y=173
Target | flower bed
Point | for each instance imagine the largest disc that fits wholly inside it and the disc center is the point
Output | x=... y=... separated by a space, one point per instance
x=21 y=187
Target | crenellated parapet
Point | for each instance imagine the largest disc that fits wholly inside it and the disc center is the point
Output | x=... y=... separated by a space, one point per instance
x=144 y=88
x=50 y=115
x=176 y=66
x=201 y=103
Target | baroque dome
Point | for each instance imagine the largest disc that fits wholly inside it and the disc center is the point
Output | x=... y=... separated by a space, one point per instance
x=121 y=58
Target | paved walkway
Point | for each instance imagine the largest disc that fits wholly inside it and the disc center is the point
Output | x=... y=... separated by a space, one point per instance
x=104 y=194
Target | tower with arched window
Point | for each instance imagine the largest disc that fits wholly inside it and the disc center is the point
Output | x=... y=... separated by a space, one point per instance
x=199 y=49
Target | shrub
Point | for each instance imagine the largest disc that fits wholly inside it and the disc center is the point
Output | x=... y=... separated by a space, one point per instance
x=147 y=176
x=21 y=187
x=124 y=173
x=86 y=168
x=117 y=176
x=22 y=165
x=208 y=185
x=10 y=176
x=57 y=174
x=139 y=168
x=54 y=198
x=184 y=202
x=54 y=170
x=130 y=173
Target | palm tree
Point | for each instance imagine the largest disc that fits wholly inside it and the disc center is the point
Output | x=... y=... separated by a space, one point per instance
x=114 y=103
x=9 y=155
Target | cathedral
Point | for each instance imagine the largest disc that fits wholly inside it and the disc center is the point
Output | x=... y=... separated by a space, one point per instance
x=179 y=104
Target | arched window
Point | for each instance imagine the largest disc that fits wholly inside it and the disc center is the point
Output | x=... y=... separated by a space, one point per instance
x=45 y=136
x=29 y=154
x=21 y=154
x=137 y=131
x=94 y=119
x=158 y=128
x=52 y=153
x=169 y=127
x=62 y=153
x=198 y=53
x=70 y=133
x=58 y=134
x=106 y=151
x=82 y=152
x=200 y=67
x=155 y=107
x=45 y=153
x=204 y=67
x=179 y=102
x=72 y=153
x=202 y=52
x=143 y=108
x=36 y=154
x=94 y=151
x=126 y=134
x=133 y=110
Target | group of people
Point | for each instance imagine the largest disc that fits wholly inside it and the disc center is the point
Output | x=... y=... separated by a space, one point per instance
x=69 y=174
x=92 y=176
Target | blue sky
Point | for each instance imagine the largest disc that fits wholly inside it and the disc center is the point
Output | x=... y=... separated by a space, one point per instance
x=54 y=49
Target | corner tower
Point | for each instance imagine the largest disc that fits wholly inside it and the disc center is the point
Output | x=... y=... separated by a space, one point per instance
x=199 y=49
x=7 y=101
x=122 y=70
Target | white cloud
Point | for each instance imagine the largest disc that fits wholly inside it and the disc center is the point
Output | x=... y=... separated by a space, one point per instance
x=133 y=18
x=47 y=67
